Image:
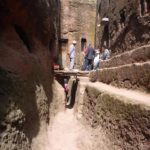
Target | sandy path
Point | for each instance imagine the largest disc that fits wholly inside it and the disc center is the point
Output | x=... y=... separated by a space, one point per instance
x=67 y=133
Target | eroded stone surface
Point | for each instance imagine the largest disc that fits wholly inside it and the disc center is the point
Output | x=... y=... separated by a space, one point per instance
x=125 y=122
x=127 y=28
x=140 y=54
x=135 y=76
x=26 y=33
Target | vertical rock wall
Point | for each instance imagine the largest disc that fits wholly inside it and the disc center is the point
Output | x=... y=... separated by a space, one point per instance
x=127 y=28
x=124 y=121
x=77 y=22
x=27 y=36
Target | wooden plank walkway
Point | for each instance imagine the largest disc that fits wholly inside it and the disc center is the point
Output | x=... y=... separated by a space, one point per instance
x=71 y=73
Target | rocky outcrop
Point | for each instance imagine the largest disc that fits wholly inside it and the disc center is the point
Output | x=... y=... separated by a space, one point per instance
x=28 y=30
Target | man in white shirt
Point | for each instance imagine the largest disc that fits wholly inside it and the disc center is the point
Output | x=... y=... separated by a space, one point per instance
x=71 y=54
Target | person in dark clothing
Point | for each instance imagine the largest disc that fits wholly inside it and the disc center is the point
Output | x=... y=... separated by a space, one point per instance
x=84 y=65
x=90 y=56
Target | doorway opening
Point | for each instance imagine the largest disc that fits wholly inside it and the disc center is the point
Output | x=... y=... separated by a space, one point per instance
x=83 y=43
x=142 y=8
x=148 y=5
x=122 y=18
x=64 y=52
x=105 y=37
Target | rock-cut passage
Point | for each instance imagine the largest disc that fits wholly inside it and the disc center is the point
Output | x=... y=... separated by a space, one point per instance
x=68 y=130
x=67 y=133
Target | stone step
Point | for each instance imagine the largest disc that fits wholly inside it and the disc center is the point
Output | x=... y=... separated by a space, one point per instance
x=123 y=115
x=140 y=54
x=131 y=76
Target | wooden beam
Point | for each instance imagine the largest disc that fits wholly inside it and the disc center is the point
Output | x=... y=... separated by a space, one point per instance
x=71 y=73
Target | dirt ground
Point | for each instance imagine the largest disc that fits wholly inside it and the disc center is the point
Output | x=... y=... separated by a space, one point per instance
x=67 y=133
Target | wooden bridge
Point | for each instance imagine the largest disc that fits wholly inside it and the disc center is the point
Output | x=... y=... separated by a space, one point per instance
x=71 y=73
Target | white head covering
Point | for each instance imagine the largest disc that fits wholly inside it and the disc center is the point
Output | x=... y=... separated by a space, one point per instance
x=74 y=42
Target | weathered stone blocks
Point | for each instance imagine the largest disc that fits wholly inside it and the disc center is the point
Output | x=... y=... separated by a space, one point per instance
x=141 y=54
x=125 y=120
x=136 y=76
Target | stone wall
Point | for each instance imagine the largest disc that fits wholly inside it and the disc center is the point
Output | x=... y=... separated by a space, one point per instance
x=124 y=121
x=127 y=28
x=77 y=22
x=27 y=37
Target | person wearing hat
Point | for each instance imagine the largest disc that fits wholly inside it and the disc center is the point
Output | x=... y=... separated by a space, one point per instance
x=71 y=54
x=96 y=59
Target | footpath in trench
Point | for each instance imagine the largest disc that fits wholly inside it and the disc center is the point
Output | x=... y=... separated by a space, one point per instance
x=67 y=133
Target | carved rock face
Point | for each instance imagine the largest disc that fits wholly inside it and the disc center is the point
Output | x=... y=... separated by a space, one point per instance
x=128 y=26
x=28 y=31
x=77 y=23
x=36 y=17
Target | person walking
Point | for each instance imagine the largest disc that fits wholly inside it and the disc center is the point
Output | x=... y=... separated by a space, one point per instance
x=66 y=89
x=90 y=56
x=71 y=54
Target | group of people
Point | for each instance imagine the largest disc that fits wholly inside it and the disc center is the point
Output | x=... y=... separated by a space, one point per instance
x=92 y=60
x=99 y=57
x=92 y=57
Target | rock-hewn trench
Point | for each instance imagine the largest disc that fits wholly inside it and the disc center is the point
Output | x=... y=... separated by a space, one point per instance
x=68 y=128
x=32 y=102
x=103 y=118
